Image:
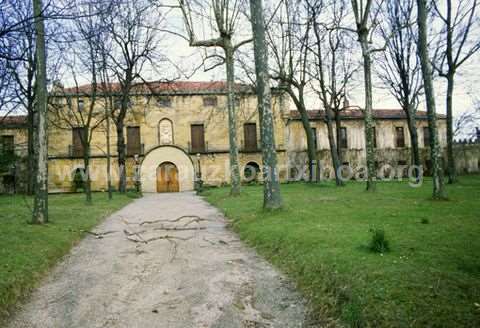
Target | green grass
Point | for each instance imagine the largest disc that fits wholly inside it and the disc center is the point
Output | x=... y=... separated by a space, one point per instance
x=28 y=251
x=429 y=278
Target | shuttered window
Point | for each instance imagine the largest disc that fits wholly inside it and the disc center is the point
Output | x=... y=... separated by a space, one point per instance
x=198 y=138
x=78 y=134
x=343 y=138
x=315 y=140
x=250 y=135
x=133 y=141
x=426 y=137
x=8 y=145
x=210 y=101
x=400 y=137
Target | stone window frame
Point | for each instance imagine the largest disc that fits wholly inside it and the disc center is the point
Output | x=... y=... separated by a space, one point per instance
x=164 y=101
x=173 y=130
x=210 y=101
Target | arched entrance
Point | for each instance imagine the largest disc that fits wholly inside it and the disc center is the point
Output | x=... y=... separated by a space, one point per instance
x=167 y=178
x=167 y=154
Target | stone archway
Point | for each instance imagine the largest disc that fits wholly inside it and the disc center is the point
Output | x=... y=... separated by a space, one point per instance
x=173 y=155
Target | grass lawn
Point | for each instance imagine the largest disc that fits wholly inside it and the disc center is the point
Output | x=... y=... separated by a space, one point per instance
x=430 y=278
x=28 y=251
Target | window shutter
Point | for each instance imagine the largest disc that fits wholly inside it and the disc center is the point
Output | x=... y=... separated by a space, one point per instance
x=343 y=138
x=426 y=137
x=400 y=137
x=8 y=145
x=198 y=138
x=77 y=135
x=250 y=135
x=133 y=140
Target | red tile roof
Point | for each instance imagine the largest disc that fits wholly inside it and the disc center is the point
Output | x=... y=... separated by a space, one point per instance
x=13 y=120
x=165 y=87
x=356 y=114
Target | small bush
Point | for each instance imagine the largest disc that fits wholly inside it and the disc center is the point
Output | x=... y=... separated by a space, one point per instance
x=134 y=194
x=425 y=221
x=379 y=242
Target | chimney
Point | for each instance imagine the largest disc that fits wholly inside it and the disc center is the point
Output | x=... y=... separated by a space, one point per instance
x=346 y=103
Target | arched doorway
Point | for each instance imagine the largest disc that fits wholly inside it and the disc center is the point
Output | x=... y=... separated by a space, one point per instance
x=163 y=154
x=167 y=178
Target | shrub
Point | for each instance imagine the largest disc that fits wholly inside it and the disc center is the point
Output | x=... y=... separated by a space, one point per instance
x=425 y=221
x=379 y=242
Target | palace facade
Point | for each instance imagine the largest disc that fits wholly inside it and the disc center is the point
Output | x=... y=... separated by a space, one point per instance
x=177 y=133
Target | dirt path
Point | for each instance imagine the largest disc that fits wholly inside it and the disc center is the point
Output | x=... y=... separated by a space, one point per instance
x=152 y=274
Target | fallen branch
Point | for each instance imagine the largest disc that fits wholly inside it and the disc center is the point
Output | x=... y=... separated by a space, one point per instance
x=179 y=228
x=98 y=235
x=195 y=219
x=146 y=241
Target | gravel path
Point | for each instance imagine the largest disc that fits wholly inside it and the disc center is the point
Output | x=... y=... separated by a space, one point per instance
x=189 y=273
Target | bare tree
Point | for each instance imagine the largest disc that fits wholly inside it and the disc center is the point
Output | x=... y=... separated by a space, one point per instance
x=133 y=29
x=332 y=68
x=365 y=20
x=457 y=44
x=271 y=187
x=288 y=38
x=435 y=153
x=399 y=65
x=88 y=35
x=225 y=22
x=40 y=210
x=23 y=71
x=466 y=124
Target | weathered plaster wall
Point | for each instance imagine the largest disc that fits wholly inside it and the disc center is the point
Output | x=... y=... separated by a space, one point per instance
x=185 y=110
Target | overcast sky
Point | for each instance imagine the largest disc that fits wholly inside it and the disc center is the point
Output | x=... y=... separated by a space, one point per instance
x=467 y=80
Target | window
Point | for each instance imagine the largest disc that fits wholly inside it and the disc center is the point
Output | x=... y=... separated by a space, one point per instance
x=343 y=138
x=164 y=102
x=78 y=134
x=134 y=146
x=117 y=103
x=198 y=138
x=8 y=145
x=210 y=101
x=315 y=141
x=399 y=137
x=374 y=132
x=250 y=136
x=81 y=105
x=426 y=137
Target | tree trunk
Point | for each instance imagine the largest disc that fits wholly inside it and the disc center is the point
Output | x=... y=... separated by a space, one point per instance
x=31 y=158
x=122 y=172
x=338 y=129
x=40 y=208
x=369 y=124
x=108 y=102
x=87 y=183
x=271 y=185
x=311 y=150
x=452 y=174
x=412 y=129
x=333 y=147
x=438 y=186
x=232 y=121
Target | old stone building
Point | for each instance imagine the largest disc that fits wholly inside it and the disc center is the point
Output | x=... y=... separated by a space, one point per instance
x=177 y=133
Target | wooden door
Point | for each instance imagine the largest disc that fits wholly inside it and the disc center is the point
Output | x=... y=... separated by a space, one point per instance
x=167 y=178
